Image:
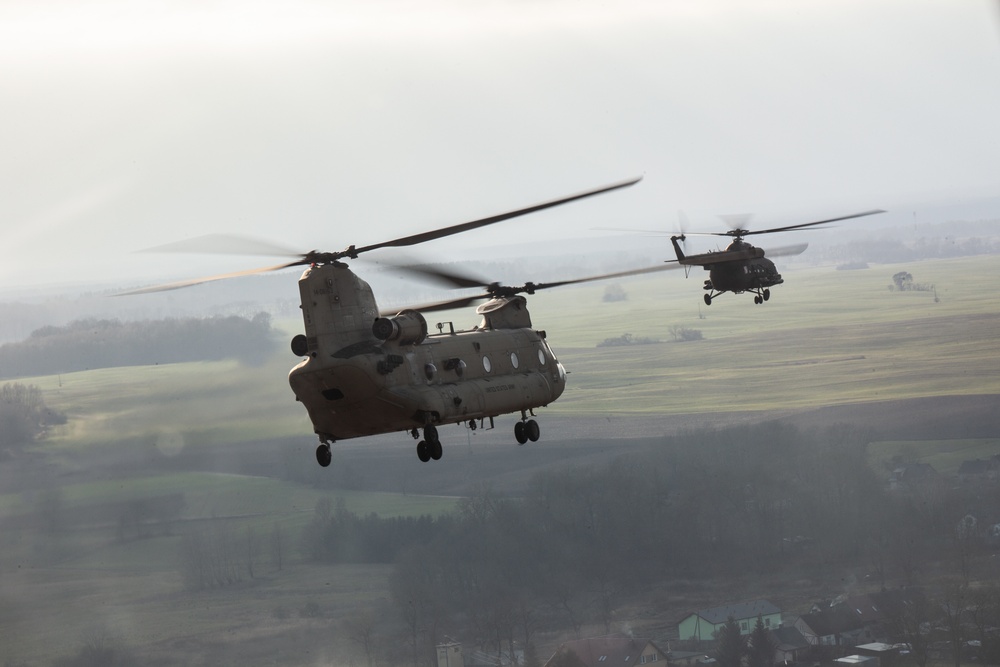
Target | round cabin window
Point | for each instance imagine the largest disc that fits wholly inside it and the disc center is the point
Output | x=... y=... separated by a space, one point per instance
x=541 y=356
x=487 y=365
x=513 y=359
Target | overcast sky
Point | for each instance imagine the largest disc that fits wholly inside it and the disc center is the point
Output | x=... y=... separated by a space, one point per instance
x=321 y=124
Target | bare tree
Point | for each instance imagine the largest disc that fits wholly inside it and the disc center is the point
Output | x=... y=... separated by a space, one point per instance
x=277 y=546
x=361 y=631
x=905 y=621
x=253 y=548
x=209 y=557
x=984 y=613
x=954 y=598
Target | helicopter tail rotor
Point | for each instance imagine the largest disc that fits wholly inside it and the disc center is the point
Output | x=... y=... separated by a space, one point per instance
x=681 y=251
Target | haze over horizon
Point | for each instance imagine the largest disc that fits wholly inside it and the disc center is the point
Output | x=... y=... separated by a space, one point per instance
x=319 y=125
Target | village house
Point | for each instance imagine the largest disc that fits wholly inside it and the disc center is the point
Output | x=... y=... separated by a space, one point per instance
x=789 y=645
x=688 y=658
x=979 y=470
x=703 y=625
x=859 y=619
x=912 y=474
x=613 y=651
x=451 y=654
x=832 y=626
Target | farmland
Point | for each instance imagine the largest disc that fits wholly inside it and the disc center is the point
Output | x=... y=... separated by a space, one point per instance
x=214 y=441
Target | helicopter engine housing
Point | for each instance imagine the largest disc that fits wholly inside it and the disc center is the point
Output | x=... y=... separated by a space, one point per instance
x=407 y=328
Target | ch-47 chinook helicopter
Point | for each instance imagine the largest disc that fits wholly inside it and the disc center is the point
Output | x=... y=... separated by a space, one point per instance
x=367 y=372
x=742 y=267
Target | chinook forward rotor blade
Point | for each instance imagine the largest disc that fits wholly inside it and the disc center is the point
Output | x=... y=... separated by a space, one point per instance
x=227 y=244
x=180 y=284
x=475 y=224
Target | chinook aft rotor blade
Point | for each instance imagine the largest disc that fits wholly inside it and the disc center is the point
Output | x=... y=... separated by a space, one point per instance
x=496 y=290
x=454 y=279
x=666 y=266
x=460 y=302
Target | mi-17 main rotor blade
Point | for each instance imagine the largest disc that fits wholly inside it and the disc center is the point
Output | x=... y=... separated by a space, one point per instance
x=475 y=224
x=786 y=251
x=805 y=224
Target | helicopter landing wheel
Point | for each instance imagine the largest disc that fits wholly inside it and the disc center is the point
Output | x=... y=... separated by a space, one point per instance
x=435 y=450
x=324 y=455
x=520 y=433
x=766 y=294
x=708 y=299
x=532 y=430
x=758 y=300
x=423 y=451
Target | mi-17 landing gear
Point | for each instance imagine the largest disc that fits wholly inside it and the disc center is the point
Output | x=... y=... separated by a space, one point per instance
x=759 y=297
x=430 y=447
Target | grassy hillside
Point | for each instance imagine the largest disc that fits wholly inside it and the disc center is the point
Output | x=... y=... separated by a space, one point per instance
x=825 y=337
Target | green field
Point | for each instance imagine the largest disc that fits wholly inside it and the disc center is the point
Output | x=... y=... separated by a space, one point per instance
x=826 y=337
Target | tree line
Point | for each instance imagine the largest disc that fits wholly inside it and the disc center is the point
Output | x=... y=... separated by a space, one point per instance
x=23 y=416
x=888 y=250
x=106 y=343
x=581 y=541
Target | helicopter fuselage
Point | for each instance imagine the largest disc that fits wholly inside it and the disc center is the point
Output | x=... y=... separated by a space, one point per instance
x=741 y=267
x=748 y=275
x=365 y=375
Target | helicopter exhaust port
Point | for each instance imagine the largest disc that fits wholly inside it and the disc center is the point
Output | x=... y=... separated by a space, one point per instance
x=408 y=328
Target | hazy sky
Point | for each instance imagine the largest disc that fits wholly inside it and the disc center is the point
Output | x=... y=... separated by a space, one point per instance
x=321 y=124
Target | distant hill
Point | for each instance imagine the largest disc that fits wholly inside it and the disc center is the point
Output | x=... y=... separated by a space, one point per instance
x=92 y=343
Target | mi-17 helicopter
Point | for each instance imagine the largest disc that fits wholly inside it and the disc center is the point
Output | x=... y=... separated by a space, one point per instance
x=742 y=267
x=367 y=372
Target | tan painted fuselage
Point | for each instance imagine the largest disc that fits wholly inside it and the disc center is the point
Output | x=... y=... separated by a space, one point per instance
x=365 y=375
